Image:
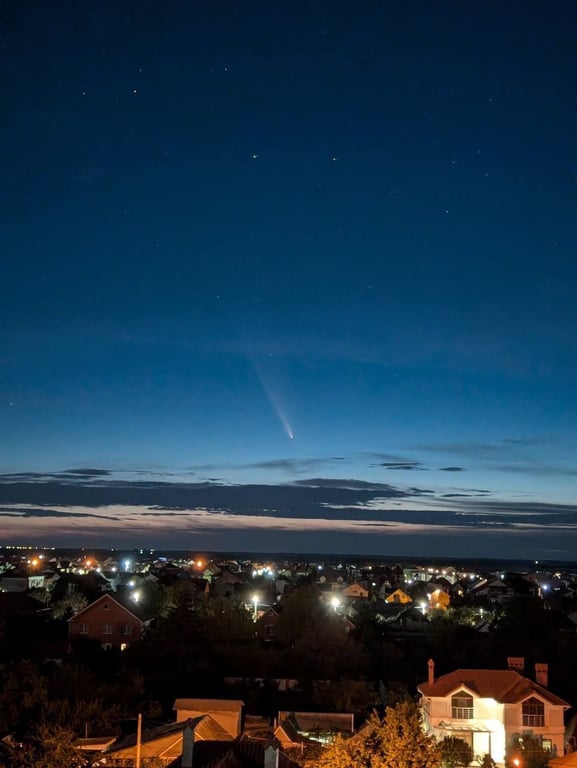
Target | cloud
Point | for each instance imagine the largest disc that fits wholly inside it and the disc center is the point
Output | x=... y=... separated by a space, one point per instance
x=536 y=468
x=105 y=505
x=290 y=466
x=452 y=469
x=332 y=482
x=85 y=472
x=405 y=465
x=26 y=511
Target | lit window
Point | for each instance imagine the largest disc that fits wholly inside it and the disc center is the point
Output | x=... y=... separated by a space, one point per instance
x=462 y=706
x=533 y=713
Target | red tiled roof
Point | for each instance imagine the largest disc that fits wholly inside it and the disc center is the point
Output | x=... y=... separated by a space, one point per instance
x=504 y=685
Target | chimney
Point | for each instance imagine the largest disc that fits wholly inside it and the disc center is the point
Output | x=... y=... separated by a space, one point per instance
x=187 y=747
x=542 y=674
x=431 y=672
x=516 y=662
x=271 y=757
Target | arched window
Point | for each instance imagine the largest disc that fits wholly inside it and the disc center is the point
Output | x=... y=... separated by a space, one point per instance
x=533 y=713
x=462 y=706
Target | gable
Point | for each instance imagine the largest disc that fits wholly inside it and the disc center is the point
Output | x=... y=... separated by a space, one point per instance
x=98 y=608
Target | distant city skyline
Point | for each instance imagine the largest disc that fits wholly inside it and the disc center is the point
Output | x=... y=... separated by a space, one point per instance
x=290 y=278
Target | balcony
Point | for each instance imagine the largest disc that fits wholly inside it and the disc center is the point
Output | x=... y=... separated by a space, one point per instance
x=534 y=721
x=462 y=713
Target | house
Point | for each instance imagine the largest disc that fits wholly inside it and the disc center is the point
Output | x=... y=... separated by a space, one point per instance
x=227 y=713
x=402 y=620
x=355 y=590
x=491 y=709
x=398 y=596
x=244 y=752
x=229 y=583
x=164 y=744
x=294 y=729
x=108 y=621
x=267 y=623
x=495 y=590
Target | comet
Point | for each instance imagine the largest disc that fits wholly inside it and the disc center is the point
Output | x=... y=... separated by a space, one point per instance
x=276 y=405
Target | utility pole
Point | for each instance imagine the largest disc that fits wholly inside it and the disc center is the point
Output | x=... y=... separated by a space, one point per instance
x=138 y=740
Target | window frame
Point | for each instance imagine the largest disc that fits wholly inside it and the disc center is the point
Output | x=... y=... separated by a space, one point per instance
x=533 y=713
x=462 y=706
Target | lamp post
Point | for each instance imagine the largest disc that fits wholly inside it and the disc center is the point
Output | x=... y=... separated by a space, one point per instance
x=255 y=603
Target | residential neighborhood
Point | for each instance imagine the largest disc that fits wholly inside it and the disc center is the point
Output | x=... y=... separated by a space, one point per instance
x=283 y=661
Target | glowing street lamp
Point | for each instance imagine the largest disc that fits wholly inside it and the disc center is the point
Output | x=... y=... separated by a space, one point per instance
x=335 y=602
x=255 y=603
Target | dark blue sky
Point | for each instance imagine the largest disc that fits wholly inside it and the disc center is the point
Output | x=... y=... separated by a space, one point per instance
x=294 y=247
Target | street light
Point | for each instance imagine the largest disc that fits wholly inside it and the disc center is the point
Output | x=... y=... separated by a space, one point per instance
x=255 y=602
x=335 y=602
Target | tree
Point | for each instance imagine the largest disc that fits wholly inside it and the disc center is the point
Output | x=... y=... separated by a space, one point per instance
x=48 y=747
x=407 y=744
x=69 y=605
x=395 y=741
x=23 y=693
x=455 y=753
x=530 y=753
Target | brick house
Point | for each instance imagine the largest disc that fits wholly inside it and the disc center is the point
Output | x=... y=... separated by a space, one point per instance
x=266 y=625
x=107 y=621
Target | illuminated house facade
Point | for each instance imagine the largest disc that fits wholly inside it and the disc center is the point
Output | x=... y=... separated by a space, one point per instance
x=107 y=621
x=491 y=709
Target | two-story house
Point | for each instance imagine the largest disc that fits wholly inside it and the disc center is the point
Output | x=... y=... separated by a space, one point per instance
x=108 y=621
x=491 y=709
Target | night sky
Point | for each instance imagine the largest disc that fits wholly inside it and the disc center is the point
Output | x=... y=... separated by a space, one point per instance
x=292 y=276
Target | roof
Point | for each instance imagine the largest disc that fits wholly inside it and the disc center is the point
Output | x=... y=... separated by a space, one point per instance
x=204 y=727
x=316 y=721
x=94 y=743
x=244 y=752
x=567 y=761
x=504 y=685
x=108 y=597
x=209 y=705
x=19 y=604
